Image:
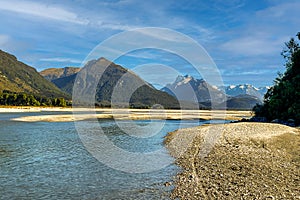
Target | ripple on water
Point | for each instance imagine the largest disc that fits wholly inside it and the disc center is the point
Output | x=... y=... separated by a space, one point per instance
x=44 y=160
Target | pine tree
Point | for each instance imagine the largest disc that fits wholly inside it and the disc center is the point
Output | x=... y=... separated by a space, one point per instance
x=282 y=101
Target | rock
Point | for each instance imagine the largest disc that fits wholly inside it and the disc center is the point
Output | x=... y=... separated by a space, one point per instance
x=227 y=193
x=258 y=119
x=270 y=197
x=167 y=184
x=244 y=120
x=291 y=122
x=276 y=121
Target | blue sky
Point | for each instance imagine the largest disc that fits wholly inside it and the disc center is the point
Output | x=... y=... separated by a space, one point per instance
x=243 y=37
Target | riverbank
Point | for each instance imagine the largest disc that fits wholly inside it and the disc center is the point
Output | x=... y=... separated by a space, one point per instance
x=77 y=114
x=16 y=109
x=246 y=161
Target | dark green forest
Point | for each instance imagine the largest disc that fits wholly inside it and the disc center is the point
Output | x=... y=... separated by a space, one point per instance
x=22 y=99
x=282 y=101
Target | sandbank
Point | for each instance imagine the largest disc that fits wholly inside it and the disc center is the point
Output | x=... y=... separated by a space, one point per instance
x=77 y=114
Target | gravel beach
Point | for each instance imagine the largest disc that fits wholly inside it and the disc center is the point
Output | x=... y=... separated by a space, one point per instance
x=236 y=161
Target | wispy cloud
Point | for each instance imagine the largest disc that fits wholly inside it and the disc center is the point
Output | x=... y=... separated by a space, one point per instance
x=285 y=11
x=264 y=33
x=246 y=72
x=253 y=46
x=112 y=24
x=11 y=45
x=163 y=35
x=58 y=59
x=228 y=6
x=4 y=39
x=41 y=10
x=115 y=3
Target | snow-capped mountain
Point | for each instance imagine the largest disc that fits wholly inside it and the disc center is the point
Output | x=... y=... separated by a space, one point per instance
x=235 y=90
x=188 y=88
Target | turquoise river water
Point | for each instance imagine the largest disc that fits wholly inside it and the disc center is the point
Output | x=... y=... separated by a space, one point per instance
x=47 y=160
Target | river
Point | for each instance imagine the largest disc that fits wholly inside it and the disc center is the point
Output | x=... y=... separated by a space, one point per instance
x=47 y=160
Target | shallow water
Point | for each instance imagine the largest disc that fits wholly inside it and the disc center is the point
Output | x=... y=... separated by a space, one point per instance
x=47 y=160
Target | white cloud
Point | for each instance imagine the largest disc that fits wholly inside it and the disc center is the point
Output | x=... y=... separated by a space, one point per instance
x=4 y=39
x=112 y=24
x=228 y=5
x=41 y=10
x=245 y=72
x=287 y=11
x=265 y=33
x=116 y=3
x=69 y=60
x=164 y=35
x=253 y=46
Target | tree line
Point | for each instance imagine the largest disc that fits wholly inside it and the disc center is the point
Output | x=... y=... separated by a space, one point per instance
x=8 y=98
x=282 y=101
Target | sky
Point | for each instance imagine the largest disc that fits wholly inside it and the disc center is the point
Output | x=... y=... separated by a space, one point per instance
x=244 y=38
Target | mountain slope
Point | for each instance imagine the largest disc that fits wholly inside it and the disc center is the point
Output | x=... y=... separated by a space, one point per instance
x=115 y=78
x=241 y=102
x=55 y=73
x=16 y=76
x=65 y=83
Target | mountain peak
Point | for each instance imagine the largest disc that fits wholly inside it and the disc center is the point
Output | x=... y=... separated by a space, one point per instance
x=104 y=60
x=187 y=88
x=180 y=80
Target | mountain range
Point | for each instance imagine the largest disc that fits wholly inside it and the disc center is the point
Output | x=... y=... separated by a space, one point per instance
x=55 y=73
x=106 y=77
x=188 y=88
x=235 y=90
x=111 y=77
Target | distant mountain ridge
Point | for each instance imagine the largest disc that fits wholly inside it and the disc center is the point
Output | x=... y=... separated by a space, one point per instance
x=187 y=88
x=242 y=102
x=197 y=90
x=16 y=76
x=235 y=90
x=55 y=73
x=113 y=78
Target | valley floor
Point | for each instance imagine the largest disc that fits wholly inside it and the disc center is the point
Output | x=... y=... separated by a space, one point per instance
x=77 y=114
x=236 y=161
